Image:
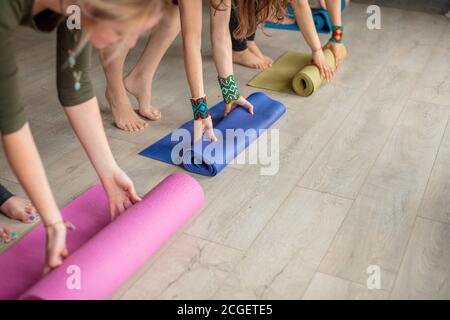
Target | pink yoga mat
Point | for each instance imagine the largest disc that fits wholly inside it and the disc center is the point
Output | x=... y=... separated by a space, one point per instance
x=106 y=254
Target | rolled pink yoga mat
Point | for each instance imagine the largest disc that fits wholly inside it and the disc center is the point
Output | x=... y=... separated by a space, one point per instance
x=106 y=254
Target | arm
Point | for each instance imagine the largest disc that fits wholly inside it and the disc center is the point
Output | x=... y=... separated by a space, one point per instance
x=24 y=160
x=191 y=30
x=334 y=9
x=87 y=124
x=23 y=156
x=83 y=112
x=222 y=52
x=305 y=21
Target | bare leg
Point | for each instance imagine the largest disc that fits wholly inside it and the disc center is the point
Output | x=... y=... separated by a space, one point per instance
x=257 y=52
x=248 y=59
x=124 y=115
x=139 y=81
x=286 y=20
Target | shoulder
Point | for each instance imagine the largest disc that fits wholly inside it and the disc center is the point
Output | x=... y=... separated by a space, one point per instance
x=13 y=13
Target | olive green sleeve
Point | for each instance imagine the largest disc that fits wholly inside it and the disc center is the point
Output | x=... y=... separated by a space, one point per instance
x=67 y=94
x=12 y=113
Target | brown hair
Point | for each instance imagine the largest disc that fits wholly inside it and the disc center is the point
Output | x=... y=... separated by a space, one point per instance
x=252 y=13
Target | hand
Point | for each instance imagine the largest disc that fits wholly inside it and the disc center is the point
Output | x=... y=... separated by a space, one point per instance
x=56 y=249
x=318 y=58
x=120 y=191
x=241 y=102
x=200 y=126
x=338 y=51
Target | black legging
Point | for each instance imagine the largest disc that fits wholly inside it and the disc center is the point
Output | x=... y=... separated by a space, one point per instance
x=238 y=45
x=4 y=195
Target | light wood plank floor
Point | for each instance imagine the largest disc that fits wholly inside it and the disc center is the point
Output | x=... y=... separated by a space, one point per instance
x=363 y=176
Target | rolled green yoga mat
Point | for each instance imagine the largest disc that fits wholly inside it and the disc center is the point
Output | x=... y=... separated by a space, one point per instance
x=292 y=73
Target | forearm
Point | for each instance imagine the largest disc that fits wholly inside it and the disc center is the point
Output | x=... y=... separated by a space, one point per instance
x=221 y=39
x=87 y=124
x=305 y=21
x=191 y=27
x=334 y=9
x=26 y=163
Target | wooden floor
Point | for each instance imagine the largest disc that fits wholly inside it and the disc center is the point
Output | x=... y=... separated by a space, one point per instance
x=364 y=173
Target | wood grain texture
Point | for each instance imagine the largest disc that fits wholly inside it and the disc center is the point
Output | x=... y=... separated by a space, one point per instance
x=425 y=271
x=326 y=287
x=378 y=226
x=283 y=259
x=356 y=160
x=345 y=162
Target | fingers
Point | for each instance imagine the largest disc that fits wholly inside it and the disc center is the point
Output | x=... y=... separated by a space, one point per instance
x=326 y=72
x=46 y=270
x=70 y=225
x=338 y=60
x=120 y=208
x=241 y=103
x=65 y=253
x=211 y=135
x=247 y=105
x=127 y=204
x=133 y=195
x=322 y=71
x=210 y=129
x=112 y=212
x=228 y=109
x=54 y=260
x=198 y=130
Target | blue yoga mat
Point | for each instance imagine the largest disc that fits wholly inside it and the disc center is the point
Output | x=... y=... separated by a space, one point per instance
x=320 y=16
x=209 y=158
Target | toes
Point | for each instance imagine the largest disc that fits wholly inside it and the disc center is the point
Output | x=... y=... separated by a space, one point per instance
x=136 y=127
x=129 y=128
x=30 y=218
x=142 y=124
x=7 y=235
x=30 y=209
x=121 y=126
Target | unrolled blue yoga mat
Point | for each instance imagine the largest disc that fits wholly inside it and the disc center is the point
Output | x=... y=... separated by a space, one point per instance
x=198 y=158
x=320 y=16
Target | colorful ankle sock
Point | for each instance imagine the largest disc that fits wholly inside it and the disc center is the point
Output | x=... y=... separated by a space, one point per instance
x=338 y=34
x=200 y=108
x=229 y=89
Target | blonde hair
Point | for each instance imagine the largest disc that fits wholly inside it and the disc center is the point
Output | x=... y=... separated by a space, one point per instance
x=135 y=11
x=120 y=10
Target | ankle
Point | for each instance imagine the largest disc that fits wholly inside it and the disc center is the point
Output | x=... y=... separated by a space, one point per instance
x=138 y=76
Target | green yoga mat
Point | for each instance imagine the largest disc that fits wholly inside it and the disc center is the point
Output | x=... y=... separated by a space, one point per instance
x=292 y=73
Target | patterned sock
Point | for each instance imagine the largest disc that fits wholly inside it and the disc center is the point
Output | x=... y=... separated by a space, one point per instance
x=200 y=108
x=338 y=34
x=229 y=89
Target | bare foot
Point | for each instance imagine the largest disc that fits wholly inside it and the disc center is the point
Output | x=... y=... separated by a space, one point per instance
x=257 y=52
x=6 y=234
x=125 y=117
x=141 y=90
x=285 y=20
x=247 y=59
x=19 y=209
